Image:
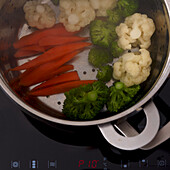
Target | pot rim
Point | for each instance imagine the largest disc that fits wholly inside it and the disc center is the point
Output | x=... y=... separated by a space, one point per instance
x=159 y=82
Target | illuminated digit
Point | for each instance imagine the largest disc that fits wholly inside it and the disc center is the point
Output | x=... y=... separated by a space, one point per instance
x=94 y=163
x=81 y=162
x=89 y=164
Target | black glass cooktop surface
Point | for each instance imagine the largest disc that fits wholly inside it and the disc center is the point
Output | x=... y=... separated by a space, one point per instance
x=27 y=143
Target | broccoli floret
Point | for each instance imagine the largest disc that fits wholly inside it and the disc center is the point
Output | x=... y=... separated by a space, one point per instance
x=128 y=7
x=105 y=73
x=121 y=96
x=99 y=57
x=115 y=15
x=85 y=102
x=115 y=49
x=102 y=33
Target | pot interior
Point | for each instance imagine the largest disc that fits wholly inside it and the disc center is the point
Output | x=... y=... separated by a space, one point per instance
x=13 y=26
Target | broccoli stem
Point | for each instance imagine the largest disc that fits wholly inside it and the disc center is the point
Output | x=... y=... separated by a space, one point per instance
x=119 y=85
x=92 y=95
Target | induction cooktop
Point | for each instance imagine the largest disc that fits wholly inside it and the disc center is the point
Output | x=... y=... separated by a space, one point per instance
x=30 y=143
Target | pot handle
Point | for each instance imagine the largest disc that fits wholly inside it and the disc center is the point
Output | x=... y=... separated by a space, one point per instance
x=134 y=142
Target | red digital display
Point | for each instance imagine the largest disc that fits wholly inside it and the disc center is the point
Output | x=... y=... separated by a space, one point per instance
x=89 y=164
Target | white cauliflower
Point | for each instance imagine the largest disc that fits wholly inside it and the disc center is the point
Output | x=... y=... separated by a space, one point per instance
x=101 y=6
x=75 y=14
x=136 y=30
x=39 y=15
x=133 y=69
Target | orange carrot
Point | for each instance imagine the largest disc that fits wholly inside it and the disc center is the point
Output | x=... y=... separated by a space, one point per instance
x=33 y=48
x=48 y=47
x=25 y=73
x=29 y=51
x=56 y=40
x=66 y=77
x=38 y=74
x=14 y=83
x=33 y=38
x=59 y=71
x=52 y=54
x=47 y=75
x=25 y=53
x=60 y=88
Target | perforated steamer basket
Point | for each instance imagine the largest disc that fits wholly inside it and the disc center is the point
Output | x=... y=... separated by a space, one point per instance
x=13 y=26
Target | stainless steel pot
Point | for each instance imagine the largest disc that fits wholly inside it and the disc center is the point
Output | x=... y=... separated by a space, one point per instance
x=12 y=25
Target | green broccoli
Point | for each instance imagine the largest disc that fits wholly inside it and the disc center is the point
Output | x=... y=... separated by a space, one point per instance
x=121 y=96
x=127 y=7
x=105 y=73
x=99 y=57
x=102 y=33
x=115 y=15
x=115 y=49
x=85 y=102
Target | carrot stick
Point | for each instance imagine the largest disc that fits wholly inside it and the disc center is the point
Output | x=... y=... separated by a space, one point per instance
x=14 y=83
x=25 y=53
x=29 y=51
x=60 y=88
x=25 y=73
x=20 y=53
x=59 y=71
x=48 y=47
x=66 y=77
x=38 y=74
x=47 y=75
x=33 y=38
x=33 y=48
x=52 y=54
x=56 y=40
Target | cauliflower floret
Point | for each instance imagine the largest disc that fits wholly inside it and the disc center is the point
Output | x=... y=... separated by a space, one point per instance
x=102 y=6
x=39 y=15
x=133 y=69
x=136 y=30
x=75 y=14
